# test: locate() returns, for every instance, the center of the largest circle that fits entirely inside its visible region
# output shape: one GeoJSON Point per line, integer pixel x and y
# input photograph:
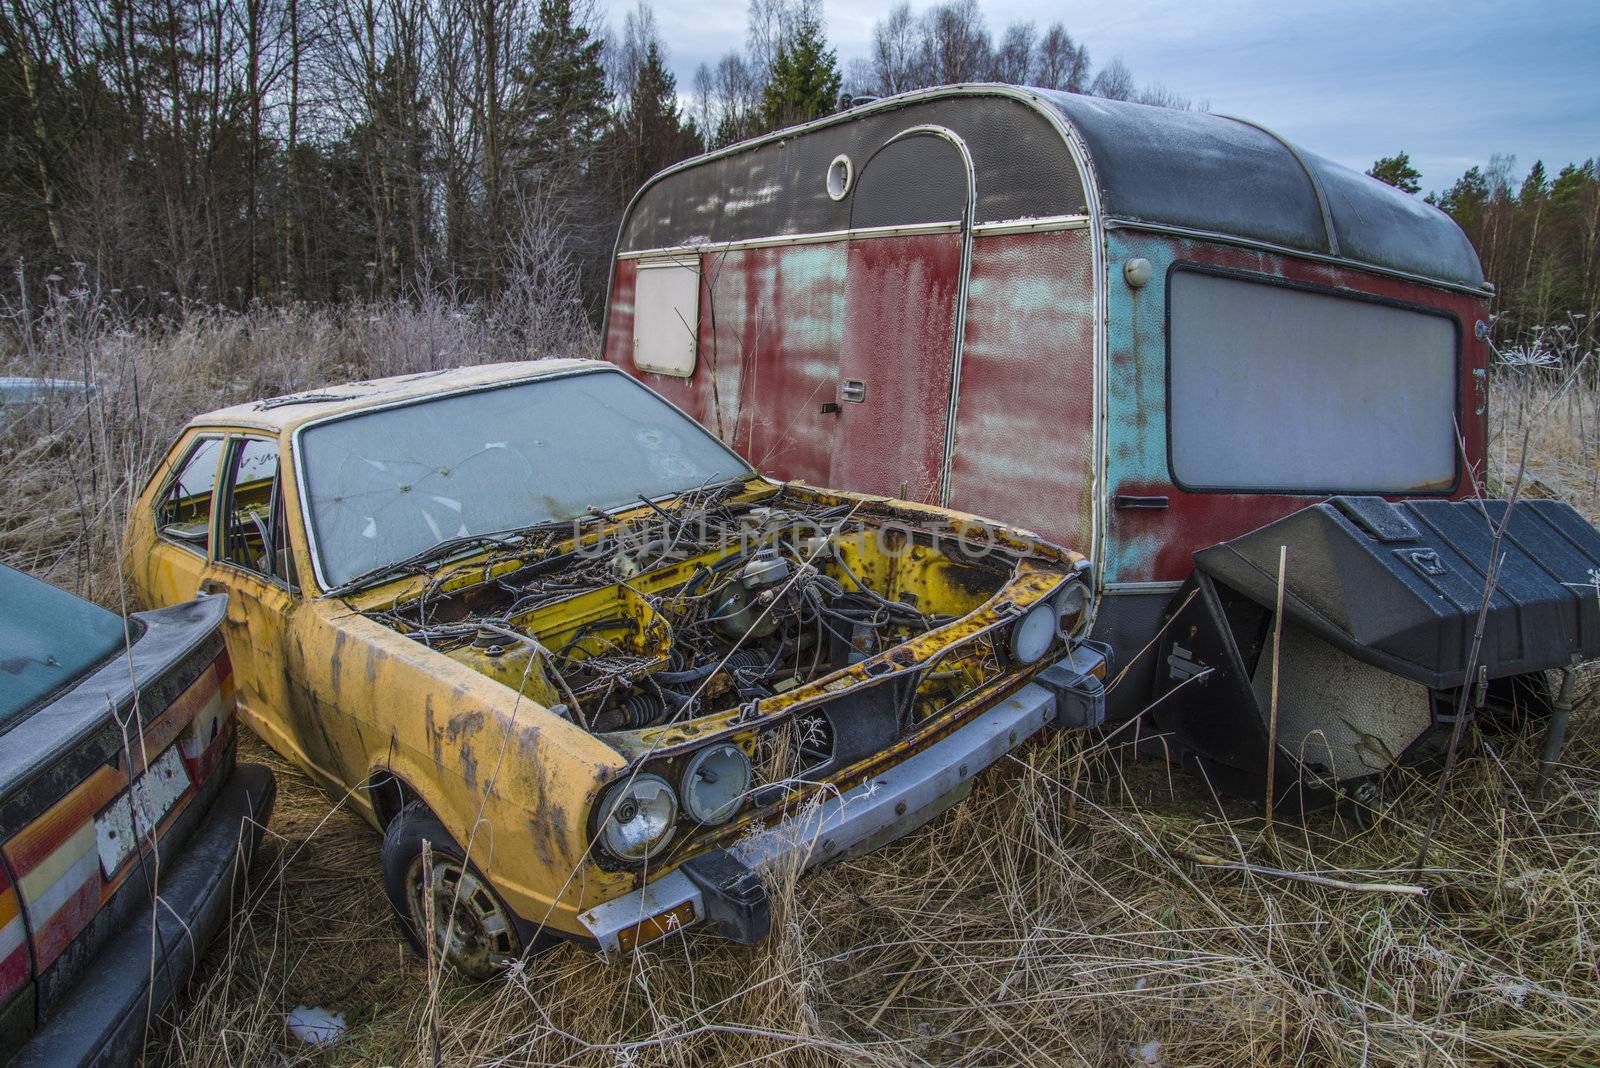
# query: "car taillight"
{"type": "Point", "coordinates": [13, 941]}
{"type": "Point", "coordinates": [209, 704]}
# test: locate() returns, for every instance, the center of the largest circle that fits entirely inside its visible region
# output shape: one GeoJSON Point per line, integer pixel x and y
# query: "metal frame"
{"type": "Point", "coordinates": [177, 472]}
{"type": "Point", "coordinates": [660, 263]}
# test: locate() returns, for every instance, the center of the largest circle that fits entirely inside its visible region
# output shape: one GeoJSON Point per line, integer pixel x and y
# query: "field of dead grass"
{"type": "Point", "coordinates": [1050, 919]}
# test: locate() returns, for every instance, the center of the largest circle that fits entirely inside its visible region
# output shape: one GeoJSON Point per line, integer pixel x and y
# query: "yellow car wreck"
{"type": "Point", "coordinates": [535, 615]}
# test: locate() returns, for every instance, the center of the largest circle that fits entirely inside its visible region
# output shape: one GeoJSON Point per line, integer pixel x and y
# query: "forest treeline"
{"type": "Point", "coordinates": [236, 151]}
{"type": "Point", "coordinates": [228, 151]}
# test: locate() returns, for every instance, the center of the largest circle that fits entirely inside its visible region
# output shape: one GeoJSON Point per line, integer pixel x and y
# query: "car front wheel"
{"type": "Point", "coordinates": [474, 932]}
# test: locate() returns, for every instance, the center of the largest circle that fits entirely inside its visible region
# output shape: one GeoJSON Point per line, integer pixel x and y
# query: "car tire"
{"type": "Point", "coordinates": [486, 937]}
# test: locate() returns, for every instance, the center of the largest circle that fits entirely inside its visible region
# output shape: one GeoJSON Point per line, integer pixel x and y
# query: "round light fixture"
{"type": "Point", "coordinates": [637, 817]}
{"type": "Point", "coordinates": [715, 783]}
{"type": "Point", "coordinates": [1072, 606]}
{"type": "Point", "coordinates": [1032, 634]}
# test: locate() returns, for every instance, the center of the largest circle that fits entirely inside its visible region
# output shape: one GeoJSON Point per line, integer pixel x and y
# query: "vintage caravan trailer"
{"type": "Point", "coordinates": [1139, 332]}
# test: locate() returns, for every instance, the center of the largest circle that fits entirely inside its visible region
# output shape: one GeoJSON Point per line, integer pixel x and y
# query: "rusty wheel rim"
{"type": "Point", "coordinates": [472, 933]}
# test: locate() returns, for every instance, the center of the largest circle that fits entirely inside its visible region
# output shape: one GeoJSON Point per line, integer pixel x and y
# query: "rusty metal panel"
{"type": "Point", "coordinates": [1025, 413]}
{"type": "Point", "coordinates": [771, 327]}
{"type": "Point", "coordinates": [898, 354]}
{"type": "Point", "coordinates": [771, 332]}
{"type": "Point", "coordinates": [684, 392]}
{"type": "Point", "coordinates": [1145, 544]}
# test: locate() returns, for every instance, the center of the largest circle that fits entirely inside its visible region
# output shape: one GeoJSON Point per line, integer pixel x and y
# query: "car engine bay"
{"type": "Point", "coordinates": [713, 600]}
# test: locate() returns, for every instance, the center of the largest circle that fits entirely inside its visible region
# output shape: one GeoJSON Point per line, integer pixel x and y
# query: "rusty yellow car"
{"type": "Point", "coordinates": [537, 617]}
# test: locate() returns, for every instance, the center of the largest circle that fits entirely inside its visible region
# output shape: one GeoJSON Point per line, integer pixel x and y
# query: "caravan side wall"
{"type": "Point", "coordinates": [1373, 386]}
{"type": "Point", "coordinates": [898, 301]}
{"type": "Point", "coordinates": [779, 325]}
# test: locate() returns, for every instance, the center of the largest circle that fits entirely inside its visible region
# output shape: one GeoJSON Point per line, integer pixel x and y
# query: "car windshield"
{"type": "Point", "coordinates": [382, 486]}
{"type": "Point", "coordinates": [49, 639]}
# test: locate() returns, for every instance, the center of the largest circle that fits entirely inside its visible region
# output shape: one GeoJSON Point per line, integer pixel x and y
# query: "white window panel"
{"type": "Point", "coordinates": [666, 316]}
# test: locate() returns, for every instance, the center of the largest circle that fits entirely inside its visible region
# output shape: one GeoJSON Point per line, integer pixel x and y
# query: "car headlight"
{"type": "Point", "coordinates": [714, 783]}
{"type": "Point", "coordinates": [637, 817]}
{"type": "Point", "coordinates": [1072, 604]}
{"type": "Point", "coordinates": [1032, 634]}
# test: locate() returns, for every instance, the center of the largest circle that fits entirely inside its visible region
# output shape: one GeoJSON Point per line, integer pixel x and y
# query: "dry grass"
{"type": "Point", "coordinates": [1046, 920]}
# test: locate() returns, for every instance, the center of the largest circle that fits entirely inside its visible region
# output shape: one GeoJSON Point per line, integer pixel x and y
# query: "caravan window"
{"type": "Point", "coordinates": [666, 315]}
{"type": "Point", "coordinates": [1273, 387]}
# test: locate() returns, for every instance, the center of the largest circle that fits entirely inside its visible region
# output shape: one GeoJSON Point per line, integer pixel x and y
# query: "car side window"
{"type": "Point", "coordinates": [254, 532]}
{"type": "Point", "coordinates": [184, 513]}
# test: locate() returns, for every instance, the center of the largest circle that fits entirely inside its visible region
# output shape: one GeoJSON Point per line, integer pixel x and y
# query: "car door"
{"type": "Point", "coordinates": [253, 567]}
{"type": "Point", "coordinates": [178, 557]}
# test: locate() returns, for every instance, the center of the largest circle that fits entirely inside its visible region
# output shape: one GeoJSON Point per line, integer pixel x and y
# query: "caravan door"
{"type": "Point", "coordinates": [908, 254]}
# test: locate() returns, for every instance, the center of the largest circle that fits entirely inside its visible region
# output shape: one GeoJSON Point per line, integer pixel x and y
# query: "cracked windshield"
{"type": "Point", "coordinates": [386, 485]}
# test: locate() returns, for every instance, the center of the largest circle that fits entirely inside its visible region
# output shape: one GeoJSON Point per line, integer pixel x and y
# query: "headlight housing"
{"type": "Point", "coordinates": [1072, 607]}
{"type": "Point", "coordinates": [637, 817]}
{"type": "Point", "coordinates": [1032, 634]}
{"type": "Point", "coordinates": [715, 782]}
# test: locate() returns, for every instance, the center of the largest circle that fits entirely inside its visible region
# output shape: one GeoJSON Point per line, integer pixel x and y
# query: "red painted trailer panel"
{"type": "Point", "coordinates": [899, 342]}
{"type": "Point", "coordinates": [1025, 414]}
{"type": "Point", "coordinates": [1158, 545]}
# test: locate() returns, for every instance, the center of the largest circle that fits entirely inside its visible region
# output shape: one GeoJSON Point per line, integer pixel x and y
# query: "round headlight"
{"type": "Point", "coordinates": [714, 783]}
{"type": "Point", "coordinates": [1072, 602]}
{"type": "Point", "coordinates": [1032, 634]}
{"type": "Point", "coordinates": [637, 817]}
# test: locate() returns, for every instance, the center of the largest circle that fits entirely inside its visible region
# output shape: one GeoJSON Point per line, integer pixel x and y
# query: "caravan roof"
{"type": "Point", "coordinates": [1032, 153]}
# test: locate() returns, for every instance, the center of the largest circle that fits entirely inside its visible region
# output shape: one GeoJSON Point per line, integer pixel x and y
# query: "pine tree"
{"type": "Point", "coordinates": [1466, 198]}
{"type": "Point", "coordinates": [649, 133]}
{"type": "Point", "coordinates": [559, 108]}
{"type": "Point", "coordinates": [805, 78]}
{"type": "Point", "coordinates": [1397, 171]}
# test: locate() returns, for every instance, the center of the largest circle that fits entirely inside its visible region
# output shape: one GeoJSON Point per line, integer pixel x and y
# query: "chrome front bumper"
{"type": "Point", "coordinates": [892, 803]}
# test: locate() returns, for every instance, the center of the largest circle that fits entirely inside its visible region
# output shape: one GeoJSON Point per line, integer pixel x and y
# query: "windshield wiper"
{"type": "Point", "coordinates": [439, 550]}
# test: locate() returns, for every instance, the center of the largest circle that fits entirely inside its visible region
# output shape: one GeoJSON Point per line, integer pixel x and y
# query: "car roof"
{"type": "Point", "coordinates": [292, 410]}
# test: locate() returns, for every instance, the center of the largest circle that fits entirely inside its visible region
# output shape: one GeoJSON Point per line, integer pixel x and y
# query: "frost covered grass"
{"type": "Point", "coordinates": [1052, 918]}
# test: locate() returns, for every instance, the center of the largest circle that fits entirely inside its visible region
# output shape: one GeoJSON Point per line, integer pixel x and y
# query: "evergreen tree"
{"type": "Point", "coordinates": [648, 134]}
{"type": "Point", "coordinates": [559, 107]}
{"type": "Point", "coordinates": [1397, 171]}
{"type": "Point", "coordinates": [805, 78]}
{"type": "Point", "coordinates": [1534, 187]}
{"type": "Point", "coordinates": [1465, 199]}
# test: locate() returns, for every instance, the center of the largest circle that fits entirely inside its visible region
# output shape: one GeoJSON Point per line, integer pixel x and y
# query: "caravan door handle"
{"type": "Point", "coordinates": [853, 390]}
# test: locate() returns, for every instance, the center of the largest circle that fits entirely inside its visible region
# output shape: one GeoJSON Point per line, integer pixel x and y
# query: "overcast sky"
{"type": "Point", "coordinates": [1449, 82]}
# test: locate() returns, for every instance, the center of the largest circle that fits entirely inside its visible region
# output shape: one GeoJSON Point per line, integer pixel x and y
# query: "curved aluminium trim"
{"type": "Point", "coordinates": [1046, 224]}
{"type": "Point", "coordinates": [1311, 176]}
{"type": "Point", "coordinates": [964, 277]}
{"type": "Point", "coordinates": [1119, 223]}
